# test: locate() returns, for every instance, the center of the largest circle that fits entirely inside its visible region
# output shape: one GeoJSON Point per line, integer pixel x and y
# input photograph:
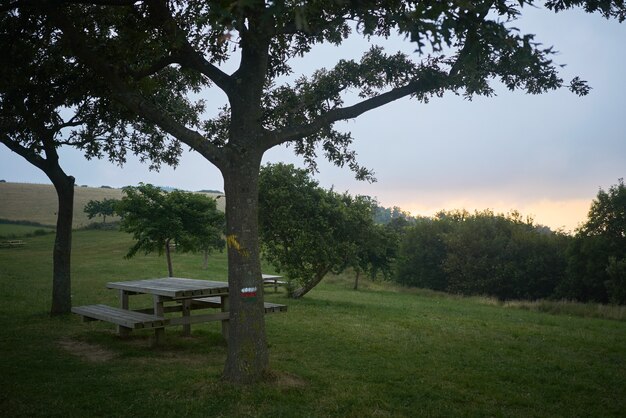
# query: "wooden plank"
{"type": "Point", "coordinates": [195, 319]}
{"type": "Point", "coordinates": [207, 302]}
{"type": "Point", "coordinates": [122, 317]}
{"type": "Point", "coordinates": [166, 309]}
{"type": "Point", "coordinates": [274, 307]}
{"type": "Point", "coordinates": [173, 287]}
{"type": "Point", "coordinates": [11, 243]}
{"type": "Point", "coordinates": [214, 302]}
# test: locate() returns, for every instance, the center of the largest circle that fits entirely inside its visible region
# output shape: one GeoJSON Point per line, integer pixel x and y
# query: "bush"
{"type": "Point", "coordinates": [483, 254]}
{"type": "Point", "coordinates": [108, 226]}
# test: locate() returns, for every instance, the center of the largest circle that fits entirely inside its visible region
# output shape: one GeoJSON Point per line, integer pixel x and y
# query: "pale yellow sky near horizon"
{"type": "Point", "coordinates": [565, 215]}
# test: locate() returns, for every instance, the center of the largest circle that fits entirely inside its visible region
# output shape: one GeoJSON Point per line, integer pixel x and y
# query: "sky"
{"type": "Point", "coordinates": [545, 156]}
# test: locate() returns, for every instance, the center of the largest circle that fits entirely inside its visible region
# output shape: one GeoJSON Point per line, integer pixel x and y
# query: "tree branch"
{"type": "Point", "coordinates": [186, 55]}
{"type": "Point", "coordinates": [131, 99]}
{"type": "Point", "coordinates": [27, 153]}
{"type": "Point", "coordinates": [425, 84]}
{"type": "Point", "coordinates": [155, 67]}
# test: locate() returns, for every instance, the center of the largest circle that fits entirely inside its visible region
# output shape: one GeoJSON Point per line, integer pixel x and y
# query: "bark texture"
{"type": "Point", "coordinates": [248, 357]}
{"type": "Point", "coordinates": [61, 255]}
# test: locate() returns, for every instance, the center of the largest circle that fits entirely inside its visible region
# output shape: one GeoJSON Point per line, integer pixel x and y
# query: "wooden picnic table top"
{"type": "Point", "coordinates": [172, 287]}
{"type": "Point", "coordinates": [177, 287]}
{"type": "Point", "coordinates": [270, 277]}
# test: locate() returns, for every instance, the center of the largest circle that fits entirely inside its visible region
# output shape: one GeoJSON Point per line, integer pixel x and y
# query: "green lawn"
{"type": "Point", "coordinates": [380, 351]}
{"type": "Point", "coordinates": [10, 231]}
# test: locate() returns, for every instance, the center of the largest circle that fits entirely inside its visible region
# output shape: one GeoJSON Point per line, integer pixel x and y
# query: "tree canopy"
{"type": "Point", "coordinates": [308, 232]}
{"type": "Point", "coordinates": [49, 100]}
{"type": "Point", "coordinates": [137, 51]}
{"type": "Point", "coordinates": [105, 207]}
{"type": "Point", "coordinates": [598, 254]}
{"type": "Point", "coordinates": [483, 253]}
{"type": "Point", "coordinates": [158, 219]}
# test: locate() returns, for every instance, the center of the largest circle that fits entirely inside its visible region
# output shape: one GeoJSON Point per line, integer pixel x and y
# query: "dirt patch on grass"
{"type": "Point", "coordinates": [89, 352]}
{"type": "Point", "coordinates": [285, 380]}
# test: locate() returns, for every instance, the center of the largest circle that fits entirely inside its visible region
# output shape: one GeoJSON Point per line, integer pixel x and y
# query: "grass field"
{"type": "Point", "coordinates": [19, 231]}
{"type": "Point", "coordinates": [378, 352]}
{"type": "Point", "coordinates": [38, 202]}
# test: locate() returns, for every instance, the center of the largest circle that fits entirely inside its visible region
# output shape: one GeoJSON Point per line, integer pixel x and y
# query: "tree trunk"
{"type": "Point", "coordinates": [248, 358]}
{"type": "Point", "coordinates": [309, 285]}
{"type": "Point", "coordinates": [61, 254]}
{"type": "Point", "coordinates": [168, 257]}
{"type": "Point", "coordinates": [64, 186]}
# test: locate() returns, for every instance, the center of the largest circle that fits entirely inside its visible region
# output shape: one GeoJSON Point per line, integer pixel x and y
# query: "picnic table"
{"type": "Point", "coordinates": [12, 243]}
{"type": "Point", "coordinates": [272, 280]}
{"type": "Point", "coordinates": [171, 294]}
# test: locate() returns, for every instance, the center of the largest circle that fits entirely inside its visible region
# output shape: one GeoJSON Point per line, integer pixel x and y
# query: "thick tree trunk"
{"type": "Point", "coordinates": [61, 255]}
{"type": "Point", "coordinates": [248, 358]}
{"type": "Point", "coordinates": [64, 185]}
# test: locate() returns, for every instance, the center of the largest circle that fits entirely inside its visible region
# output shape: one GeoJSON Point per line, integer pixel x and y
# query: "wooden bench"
{"type": "Point", "coordinates": [11, 243]}
{"type": "Point", "coordinates": [215, 302]}
{"type": "Point", "coordinates": [122, 317]}
{"type": "Point", "coordinates": [126, 320]}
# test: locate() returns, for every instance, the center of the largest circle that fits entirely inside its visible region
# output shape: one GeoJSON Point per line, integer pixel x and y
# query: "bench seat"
{"type": "Point", "coordinates": [119, 316]}
{"type": "Point", "coordinates": [11, 243]}
{"type": "Point", "coordinates": [215, 302]}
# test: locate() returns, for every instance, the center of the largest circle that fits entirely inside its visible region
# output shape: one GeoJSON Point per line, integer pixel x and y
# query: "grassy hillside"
{"type": "Point", "coordinates": [38, 202]}
{"type": "Point", "coordinates": [381, 351]}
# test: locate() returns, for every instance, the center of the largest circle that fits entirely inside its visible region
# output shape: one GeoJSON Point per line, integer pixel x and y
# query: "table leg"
{"type": "Point", "coordinates": [225, 308]}
{"type": "Point", "coordinates": [123, 331]}
{"type": "Point", "coordinates": [159, 333]}
{"type": "Point", "coordinates": [157, 305]}
{"type": "Point", "coordinates": [186, 313]}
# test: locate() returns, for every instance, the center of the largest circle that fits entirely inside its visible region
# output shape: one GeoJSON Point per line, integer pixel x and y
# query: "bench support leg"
{"type": "Point", "coordinates": [123, 331]}
{"type": "Point", "coordinates": [224, 308]}
{"type": "Point", "coordinates": [159, 335]}
{"type": "Point", "coordinates": [186, 313]}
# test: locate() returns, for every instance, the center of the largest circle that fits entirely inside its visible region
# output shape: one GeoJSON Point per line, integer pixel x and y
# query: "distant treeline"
{"type": "Point", "coordinates": [26, 223]}
{"type": "Point", "coordinates": [509, 257]}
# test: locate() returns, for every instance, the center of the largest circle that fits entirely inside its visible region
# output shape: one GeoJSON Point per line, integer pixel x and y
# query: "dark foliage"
{"type": "Point", "coordinates": [483, 254]}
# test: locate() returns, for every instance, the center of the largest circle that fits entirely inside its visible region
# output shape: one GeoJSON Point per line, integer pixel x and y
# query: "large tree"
{"type": "Point", "coordinates": [47, 100]}
{"type": "Point", "coordinates": [461, 47]}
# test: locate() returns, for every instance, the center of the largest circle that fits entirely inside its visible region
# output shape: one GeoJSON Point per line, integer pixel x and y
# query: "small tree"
{"type": "Point", "coordinates": [307, 231]}
{"type": "Point", "coordinates": [102, 208]}
{"type": "Point", "coordinates": [157, 219]}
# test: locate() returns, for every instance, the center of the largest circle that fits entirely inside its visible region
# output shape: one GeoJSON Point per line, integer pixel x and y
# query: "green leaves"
{"type": "Point", "coordinates": [483, 254]}
{"type": "Point", "coordinates": [104, 208]}
{"type": "Point", "coordinates": [307, 231]}
{"type": "Point", "coordinates": [155, 218]}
